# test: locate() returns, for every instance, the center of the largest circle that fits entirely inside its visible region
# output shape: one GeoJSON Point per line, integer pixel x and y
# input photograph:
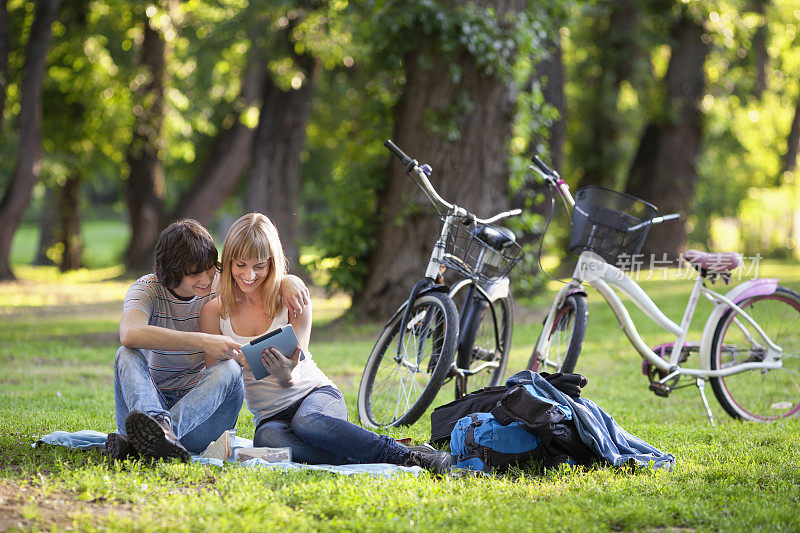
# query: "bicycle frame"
{"type": "Point", "coordinates": [496, 289]}
{"type": "Point", "coordinates": [605, 278]}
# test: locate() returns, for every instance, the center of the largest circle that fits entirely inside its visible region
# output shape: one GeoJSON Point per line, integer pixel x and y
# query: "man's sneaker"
{"type": "Point", "coordinates": [429, 458]}
{"type": "Point", "coordinates": [119, 448]}
{"type": "Point", "coordinates": [153, 437]}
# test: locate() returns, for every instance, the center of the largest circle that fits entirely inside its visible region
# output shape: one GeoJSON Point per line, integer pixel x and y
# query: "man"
{"type": "Point", "coordinates": [167, 402]}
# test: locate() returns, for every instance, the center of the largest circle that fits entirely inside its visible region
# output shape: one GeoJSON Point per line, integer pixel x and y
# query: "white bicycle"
{"type": "Point", "coordinates": [750, 346]}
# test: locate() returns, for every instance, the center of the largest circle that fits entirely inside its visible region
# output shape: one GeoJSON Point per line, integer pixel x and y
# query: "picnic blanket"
{"type": "Point", "coordinates": [87, 439]}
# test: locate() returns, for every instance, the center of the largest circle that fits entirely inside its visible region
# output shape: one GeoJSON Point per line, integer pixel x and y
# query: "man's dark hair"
{"type": "Point", "coordinates": [184, 248]}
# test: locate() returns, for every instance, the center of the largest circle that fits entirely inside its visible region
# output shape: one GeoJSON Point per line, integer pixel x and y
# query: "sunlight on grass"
{"type": "Point", "coordinates": [38, 286]}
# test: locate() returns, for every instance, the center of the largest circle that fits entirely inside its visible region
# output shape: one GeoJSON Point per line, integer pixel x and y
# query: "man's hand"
{"type": "Point", "coordinates": [295, 295]}
{"type": "Point", "coordinates": [221, 347]}
{"type": "Point", "coordinates": [280, 366]}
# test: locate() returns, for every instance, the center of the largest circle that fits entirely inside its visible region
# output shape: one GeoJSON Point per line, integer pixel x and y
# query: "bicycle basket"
{"type": "Point", "coordinates": [481, 252]}
{"type": "Point", "coordinates": [604, 222]}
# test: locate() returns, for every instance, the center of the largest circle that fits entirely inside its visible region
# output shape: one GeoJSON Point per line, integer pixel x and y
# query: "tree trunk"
{"type": "Point", "coordinates": [789, 162]}
{"type": "Point", "coordinates": [274, 187]}
{"type": "Point", "coordinates": [145, 187]}
{"type": "Point", "coordinates": [471, 170]}
{"type": "Point", "coordinates": [600, 145]}
{"type": "Point", "coordinates": [69, 224]}
{"type": "Point", "coordinates": [663, 171]}
{"type": "Point", "coordinates": [759, 48]}
{"type": "Point", "coordinates": [28, 167]}
{"type": "Point", "coordinates": [47, 224]}
{"type": "Point", "coordinates": [551, 69]}
{"type": "Point", "coordinates": [229, 156]}
{"type": "Point", "coordinates": [5, 46]}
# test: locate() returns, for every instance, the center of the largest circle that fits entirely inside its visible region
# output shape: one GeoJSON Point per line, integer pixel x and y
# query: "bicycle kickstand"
{"type": "Point", "coordinates": [701, 386]}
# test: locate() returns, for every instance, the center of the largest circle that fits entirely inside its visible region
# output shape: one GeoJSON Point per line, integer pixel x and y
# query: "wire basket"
{"type": "Point", "coordinates": [481, 252]}
{"type": "Point", "coordinates": [605, 222]}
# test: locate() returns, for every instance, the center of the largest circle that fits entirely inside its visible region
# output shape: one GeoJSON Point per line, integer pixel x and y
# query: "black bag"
{"type": "Point", "coordinates": [560, 439]}
{"type": "Point", "coordinates": [444, 417]}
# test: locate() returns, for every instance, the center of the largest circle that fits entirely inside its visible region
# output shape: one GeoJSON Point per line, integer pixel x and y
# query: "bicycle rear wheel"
{"type": "Point", "coordinates": [485, 343]}
{"type": "Point", "coordinates": [759, 395]}
{"type": "Point", "coordinates": [398, 385]}
{"type": "Point", "coordinates": [562, 344]}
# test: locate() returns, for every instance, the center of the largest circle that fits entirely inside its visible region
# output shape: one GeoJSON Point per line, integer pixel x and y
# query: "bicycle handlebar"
{"type": "Point", "coordinates": [659, 220]}
{"type": "Point", "coordinates": [542, 166]}
{"type": "Point", "coordinates": [655, 220]}
{"type": "Point", "coordinates": [420, 177]}
{"type": "Point", "coordinates": [398, 152]}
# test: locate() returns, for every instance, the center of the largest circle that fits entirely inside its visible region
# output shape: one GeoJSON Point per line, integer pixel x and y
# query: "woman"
{"type": "Point", "coordinates": [296, 406]}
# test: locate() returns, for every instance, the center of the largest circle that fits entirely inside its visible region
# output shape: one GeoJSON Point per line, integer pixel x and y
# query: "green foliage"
{"type": "Point", "coordinates": [746, 135]}
{"type": "Point", "coordinates": [353, 107]}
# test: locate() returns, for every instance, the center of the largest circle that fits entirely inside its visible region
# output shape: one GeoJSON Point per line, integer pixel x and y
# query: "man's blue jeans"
{"type": "Point", "coordinates": [318, 432]}
{"type": "Point", "coordinates": [199, 415]}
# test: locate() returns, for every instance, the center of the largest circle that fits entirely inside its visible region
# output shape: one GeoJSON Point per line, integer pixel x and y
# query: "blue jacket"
{"type": "Point", "coordinates": [596, 428]}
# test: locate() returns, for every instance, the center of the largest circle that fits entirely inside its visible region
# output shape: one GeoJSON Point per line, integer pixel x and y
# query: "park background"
{"type": "Point", "coordinates": [117, 117]}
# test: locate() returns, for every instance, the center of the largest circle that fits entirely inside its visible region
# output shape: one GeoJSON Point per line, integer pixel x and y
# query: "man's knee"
{"type": "Point", "coordinates": [125, 355]}
{"type": "Point", "coordinates": [227, 371]}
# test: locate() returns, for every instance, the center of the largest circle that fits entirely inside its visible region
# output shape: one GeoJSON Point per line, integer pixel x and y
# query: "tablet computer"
{"type": "Point", "coordinates": [282, 338]}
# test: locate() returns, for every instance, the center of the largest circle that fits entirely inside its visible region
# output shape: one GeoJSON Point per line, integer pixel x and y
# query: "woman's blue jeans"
{"type": "Point", "coordinates": [318, 432]}
{"type": "Point", "coordinates": [199, 415]}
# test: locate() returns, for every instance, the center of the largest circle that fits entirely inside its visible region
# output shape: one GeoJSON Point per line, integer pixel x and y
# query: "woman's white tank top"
{"type": "Point", "coordinates": [265, 397]}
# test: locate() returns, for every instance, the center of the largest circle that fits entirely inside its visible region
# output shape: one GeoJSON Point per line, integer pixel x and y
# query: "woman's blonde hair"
{"type": "Point", "coordinates": [253, 236]}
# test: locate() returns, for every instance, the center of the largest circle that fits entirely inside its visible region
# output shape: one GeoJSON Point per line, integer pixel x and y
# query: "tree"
{"type": "Point", "coordinates": [274, 185]}
{"type": "Point", "coordinates": [614, 39]}
{"type": "Point", "coordinates": [26, 173]}
{"type": "Point", "coordinates": [145, 191]}
{"type": "Point", "coordinates": [460, 124]}
{"type": "Point", "coordinates": [229, 154]}
{"type": "Point", "coordinates": [663, 170]}
{"type": "Point", "coordinates": [789, 160]}
{"type": "Point", "coordinates": [5, 44]}
{"type": "Point", "coordinates": [759, 47]}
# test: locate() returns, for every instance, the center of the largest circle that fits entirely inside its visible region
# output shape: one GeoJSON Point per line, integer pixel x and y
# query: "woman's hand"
{"type": "Point", "coordinates": [280, 366]}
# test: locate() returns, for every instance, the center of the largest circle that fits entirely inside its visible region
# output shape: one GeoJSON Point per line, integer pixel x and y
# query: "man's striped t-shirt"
{"type": "Point", "coordinates": [171, 370]}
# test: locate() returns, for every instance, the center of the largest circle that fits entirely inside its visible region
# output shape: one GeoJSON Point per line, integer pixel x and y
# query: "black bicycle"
{"type": "Point", "coordinates": [428, 341]}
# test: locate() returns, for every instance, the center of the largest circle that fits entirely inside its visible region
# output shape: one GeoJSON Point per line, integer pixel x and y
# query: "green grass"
{"type": "Point", "coordinates": [57, 343]}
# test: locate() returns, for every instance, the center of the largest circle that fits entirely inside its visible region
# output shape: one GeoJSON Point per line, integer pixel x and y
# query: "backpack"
{"type": "Point", "coordinates": [479, 442]}
{"type": "Point", "coordinates": [444, 417]}
{"type": "Point", "coordinates": [509, 424]}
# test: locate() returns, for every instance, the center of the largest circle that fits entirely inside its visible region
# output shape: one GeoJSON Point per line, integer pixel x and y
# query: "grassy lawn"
{"type": "Point", "coordinates": [57, 342]}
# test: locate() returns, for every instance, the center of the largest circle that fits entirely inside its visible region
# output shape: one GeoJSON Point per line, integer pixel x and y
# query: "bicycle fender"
{"type": "Point", "coordinates": [748, 289]}
{"type": "Point", "coordinates": [498, 288]}
{"type": "Point", "coordinates": [431, 288]}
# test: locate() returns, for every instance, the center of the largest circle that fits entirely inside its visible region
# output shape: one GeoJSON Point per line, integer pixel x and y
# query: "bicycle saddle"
{"type": "Point", "coordinates": [495, 236]}
{"type": "Point", "coordinates": [714, 262]}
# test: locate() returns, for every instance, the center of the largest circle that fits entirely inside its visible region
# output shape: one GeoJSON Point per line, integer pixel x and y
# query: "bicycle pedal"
{"type": "Point", "coordinates": [660, 389]}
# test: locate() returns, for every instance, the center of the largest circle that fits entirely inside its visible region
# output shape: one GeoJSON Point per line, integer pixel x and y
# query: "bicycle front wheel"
{"type": "Point", "coordinates": [400, 382]}
{"type": "Point", "coordinates": [485, 343]}
{"type": "Point", "coordinates": [759, 395]}
{"type": "Point", "coordinates": [562, 344]}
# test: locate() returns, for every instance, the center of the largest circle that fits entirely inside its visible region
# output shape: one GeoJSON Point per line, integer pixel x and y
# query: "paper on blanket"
{"type": "Point", "coordinates": [220, 448]}
{"type": "Point", "coordinates": [270, 455]}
